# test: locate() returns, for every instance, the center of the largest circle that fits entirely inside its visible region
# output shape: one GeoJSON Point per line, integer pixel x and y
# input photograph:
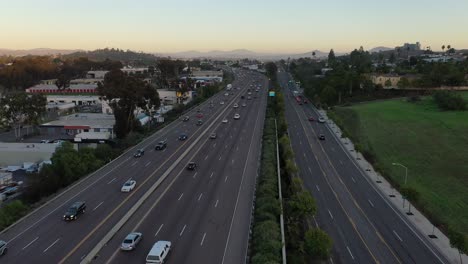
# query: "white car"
{"type": "Point", "coordinates": [236, 116]}
{"type": "Point", "coordinates": [244, 105]}
{"type": "Point", "coordinates": [225, 121]}
{"type": "Point", "coordinates": [226, 94]}
{"type": "Point", "coordinates": [321, 120]}
{"type": "Point", "coordinates": [128, 186]}
{"type": "Point", "coordinates": [221, 103]}
{"type": "Point", "coordinates": [236, 105]}
{"type": "Point", "coordinates": [131, 241]}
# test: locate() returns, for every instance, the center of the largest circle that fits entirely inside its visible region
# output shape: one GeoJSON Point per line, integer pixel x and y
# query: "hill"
{"type": "Point", "coordinates": [241, 54]}
{"type": "Point", "coordinates": [37, 52]}
{"type": "Point", "coordinates": [127, 56]}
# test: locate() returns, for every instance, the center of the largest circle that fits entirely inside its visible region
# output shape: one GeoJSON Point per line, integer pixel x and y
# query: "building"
{"type": "Point", "coordinates": [76, 126]}
{"type": "Point", "coordinates": [131, 71]}
{"type": "Point", "coordinates": [207, 75]}
{"type": "Point", "coordinates": [85, 81]}
{"type": "Point", "coordinates": [410, 47]}
{"type": "Point", "coordinates": [96, 74]}
{"type": "Point", "coordinates": [72, 89]}
{"type": "Point", "coordinates": [390, 81]}
{"type": "Point", "coordinates": [75, 99]}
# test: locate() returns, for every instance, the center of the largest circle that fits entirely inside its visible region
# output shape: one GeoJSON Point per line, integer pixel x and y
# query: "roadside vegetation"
{"type": "Point", "coordinates": [303, 244]}
{"type": "Point", "coordinates": [431, 142]}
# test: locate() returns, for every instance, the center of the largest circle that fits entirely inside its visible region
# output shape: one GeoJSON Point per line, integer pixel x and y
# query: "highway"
{"type": "Point", "coordinates": [362, 224]}
{"type": "Point", "coordinates": [205, 213]}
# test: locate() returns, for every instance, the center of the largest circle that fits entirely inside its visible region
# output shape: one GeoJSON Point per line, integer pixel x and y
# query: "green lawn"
{"type": "Point", "coordinates": [431, 143]}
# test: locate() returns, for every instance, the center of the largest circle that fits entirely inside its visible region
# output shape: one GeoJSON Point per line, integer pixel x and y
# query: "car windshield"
{"type": "Point", "coordinates": [128, 241]}
{"type": "Point", "coordinates": [128, 183]}
{"type": "Point", "coordinates": [71, 211]}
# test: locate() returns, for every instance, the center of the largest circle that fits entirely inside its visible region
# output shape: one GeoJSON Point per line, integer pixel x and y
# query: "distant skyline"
{"type": "Point", "coordinates": [294, 26]}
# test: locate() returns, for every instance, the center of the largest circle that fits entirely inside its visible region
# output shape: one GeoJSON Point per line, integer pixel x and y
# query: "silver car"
{"type": "Point", "coordinates": [131, 241]}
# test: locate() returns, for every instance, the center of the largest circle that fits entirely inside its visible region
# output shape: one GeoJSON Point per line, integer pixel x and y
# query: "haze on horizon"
{"type": "Point", "coordinates": [292, 26]}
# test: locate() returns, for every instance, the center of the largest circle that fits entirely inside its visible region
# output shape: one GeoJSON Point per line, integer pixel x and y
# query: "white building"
{"type": "Point", "coordinates": [75, 99]}
{"type": "Point", "coordinates": [96, 74]}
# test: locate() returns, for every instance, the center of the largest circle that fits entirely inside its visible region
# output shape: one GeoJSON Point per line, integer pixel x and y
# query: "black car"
{"type": "Point", "coordinates": [74, 211]}
{"type": "Point", "coordinates": [139, 153]}
{"type": "Point", "coordinates": [191, 166]}
{"type": "Point", "coordinates": [199, 122]}
{"type": "Point", "coordinates": [321, 137]}
{"type": "Point", "coordinates": [183, 137]}
{"type": "Point", "coordinates": [186, 118]}
{"type": "Point", "coordinates": [242, 97]}
{"type": "Point", "coordinates": [161, 145]}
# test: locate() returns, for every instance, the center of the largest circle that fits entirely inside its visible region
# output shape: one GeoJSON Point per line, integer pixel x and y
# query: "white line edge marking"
{"type": "Point", "coordinates": [349, 250]}
{"type": "Point", "coordinates": [330, 214]}
{"type": "Point", "coordinates": [399, 238]}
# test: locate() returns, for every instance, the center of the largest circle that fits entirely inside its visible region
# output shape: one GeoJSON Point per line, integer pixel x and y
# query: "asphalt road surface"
{"type": "Point", "coordinates": [362, 224]}
{"type": "Point", "coordinates": [205, 213]}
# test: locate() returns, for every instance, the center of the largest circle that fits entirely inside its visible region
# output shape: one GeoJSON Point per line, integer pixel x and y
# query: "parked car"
{"type": "Point", "coordinates": [128, 186]}
{"type": "Point", "coordinates": [161, 145]}
{"type": "Point", "coordinates": [3, 247]}
{"type": "Point", "coordinates": [76, 209]}
{"type": "Point", "coordinates": [159, 252]}
{"type": "Point", "coordinates": [183, 137]}
{"type": "Point", "coordinates": [139, 153]}
{"type": "Point", "coordinates": [191, 165]}
{"type": "Point", "coordinates": [131, 241]}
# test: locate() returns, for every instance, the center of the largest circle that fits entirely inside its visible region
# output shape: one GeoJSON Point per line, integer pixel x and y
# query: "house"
{"type": "Point", "coordinates": [100, 126]}
{"type": "Point", "coordinates": [72, 89]}
{"type": "Point", "coordinates": [390, 81]}
{"type": "Point", "coordinates": [96, 74]}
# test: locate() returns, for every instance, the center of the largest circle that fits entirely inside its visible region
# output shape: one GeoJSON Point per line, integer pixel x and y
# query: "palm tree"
{"type": "Point", "coordinates": [313, 54]}
{"type": "Point", "coordinates": [443, 48]}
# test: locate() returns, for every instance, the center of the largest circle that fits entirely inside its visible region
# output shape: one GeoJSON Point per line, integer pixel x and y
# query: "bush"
{"type": "Point", "coordinates": [317, 244]}
{"type": "Point", "coordinates": [447, 100]}
{"type": "Point", "coordinates": [11, 212]}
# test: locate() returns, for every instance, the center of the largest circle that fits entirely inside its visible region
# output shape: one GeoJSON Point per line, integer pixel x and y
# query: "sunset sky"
{"type": "Point", "coordinates": [259, 25]}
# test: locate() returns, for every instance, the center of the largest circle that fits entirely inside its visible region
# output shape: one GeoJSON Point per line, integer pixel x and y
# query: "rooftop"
{"type": "Point", "coordinates": [92, 120]}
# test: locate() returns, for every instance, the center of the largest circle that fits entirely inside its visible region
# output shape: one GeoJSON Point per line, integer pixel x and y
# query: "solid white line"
{"type": "Point", "coordinates": [216, 204]}
{"type": "Point", "coordinates": [111, 181]}
{"type": "Point", "coordinates": [159, 229]}
{"type": "Point", "coordinates": [30, 243]}
{"type": "Point", "coordinates": [180, 197]}
{"type": "Point", "coordinates": [148, 163]}
{"type": "Point", "coordinates": [399, 238]}
{"type": "Point", "coordinates": [203, 239]}
{"type": "Point", "coordinates": [51, 245]}
{"type": "Point", "coordinates": [350, 252]}
{"type": "Point", "coordinates": [195, 175]}
{"type": "Point", "coordinates": [183, 229]}
{"type": "Point", "coordinates": [133, 164]}
{"type": "Point", "coordinates": [318, 189]}
{"type": "Point", "coordinates": [370, 203]}
{"type": "Point", "coordinates": [199, 197]}
{"type": "Point", "coordinates": [330, 214]}
{"type": "Point", "coordinates": [97, 206]}
{"type": "Point", "coordinates": [211, 176]}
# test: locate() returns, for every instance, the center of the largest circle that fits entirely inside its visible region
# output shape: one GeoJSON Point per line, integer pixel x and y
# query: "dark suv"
{"type": "Point", "coordinates": [191, 166]}
{"type": "Point", "coordinates": [75, 209]}
{"type": "Point", "coordinates": [139, 153]}
{"type": "Point", "coordinates": [161, 145]}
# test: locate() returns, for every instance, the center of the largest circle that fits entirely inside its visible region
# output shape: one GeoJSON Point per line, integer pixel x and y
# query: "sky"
{"type": "Point", "coordinates": [288, 26]}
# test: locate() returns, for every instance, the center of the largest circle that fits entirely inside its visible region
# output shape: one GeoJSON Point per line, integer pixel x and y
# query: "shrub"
{"type": "Point", "coordinates": [447, 100]}
{"type": "Point", "coordinates": [317, 244]}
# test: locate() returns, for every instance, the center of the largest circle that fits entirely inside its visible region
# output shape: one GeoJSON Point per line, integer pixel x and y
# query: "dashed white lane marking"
{"type": "Point", "coordinates": [315, 220]}
{"type": "Point", "coordinates": [183, 229]}
{"type": "Point", "coordinates": [330, 214]}
{"type": "Point", "coordinates": [195, 175]}
{"type": "Point", "coordinates": [111, 181]}
{"type": "Point", "coordinates": [180, 197]}
{"type": "Point", "coordinates": [203, 239]}
{"type": "Point", "coordinates": [159, 229]}
{"type": "Point", "coordinates": [133, 164]}
{"type": "Point", "coordinates": [214, 145]}
{"type": "Point", "coordinates": [304, 154]}
{"type": "Point", "coordinates": [206, 157]}
{"type": "Point", "coordinates": [225, 146]}
{"type": "Point", "coordinates": [353, 179]}
{"type": "Point", "coordinates": [399, 238]}
{"type": "Point", "coordinates": [341, 162]}
{"type": "Point", "coordinates": [211, 176]}
{"type": "Point", "coordinates": [97, 206]}
{"type": "Point", "coordinates": [199, 197]}
{"type": "Point", "coordinates": [237, 148]}
{"type": "Point", "coordinates": [45, 250]}
{"type": "Point", "coordinates": [310, 170]}
{"type": "Point", "coordinates": [216, 204]}
{"type": "Point", "coordinates": [232, 162]}
{"type": "Point", "coordinates": [148, 163]}
{"type": "Point", "coordinates": [30, 243]}
{"type": "Point", "coordinates": [318, 189]}
{"type": "Point", "coordinates": [219, 157]}
{"type": "Point", "coordinates": [370, 203]}
{"type": "Point", "coordinates": [300, 142]}
{"type": "Point", "coordinates": [351, 254]}
{"type": "Point", "coordinates": [225, 180]}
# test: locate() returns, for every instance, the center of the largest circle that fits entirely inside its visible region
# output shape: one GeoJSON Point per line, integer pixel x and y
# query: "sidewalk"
{"type": "Point", "coordinates": [432, 234]}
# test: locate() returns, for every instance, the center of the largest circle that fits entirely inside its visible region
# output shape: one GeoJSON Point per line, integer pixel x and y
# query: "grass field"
{"type": "Point", "coordinates": [433, 145]}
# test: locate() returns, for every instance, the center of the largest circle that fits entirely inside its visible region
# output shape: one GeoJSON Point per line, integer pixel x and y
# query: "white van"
{"type": "Point", "coordinates": [158, 252]}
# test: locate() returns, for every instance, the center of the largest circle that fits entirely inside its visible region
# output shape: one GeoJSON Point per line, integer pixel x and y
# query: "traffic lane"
{"type": "Point", "coordinates": [404, 239]}
{"type": "Point", "coordinates": [206, 175]}
{"type": "Point", "coordinates": [347, 243]}
{"type": "Point", "coordinates": [366, 228]}
{"type": "Point", "coordinates": [74, 255]}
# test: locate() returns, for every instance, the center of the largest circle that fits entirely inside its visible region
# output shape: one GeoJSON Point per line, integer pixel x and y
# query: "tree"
{"type": "Point", "coordinates": [127, 94]}
{"type": "Point", "coordinates": [410, 194]}
{"type": "Point", "coordinates": [271, 69]}
{"type": "Point", "coordinates": [62, 82]}
{"type": "Point", "coordinates": [331, 57]}
{"type": "Point", "coordinates": [313, 54]}
{"type": "Point", "coordinates": [18, 109]}
{"type": "Point", "coordinates": [388, 83]}
{"type": "Point", "coordinates": [300, 206]}
{"type": "Point", "coordinates": [317, 244]}
{"type": "Point", "coordinates": [458, 241]}
{"type": "Point", "coordinates": [443, 48]}
{"type": "Point", "coordinates": [403, 83]}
